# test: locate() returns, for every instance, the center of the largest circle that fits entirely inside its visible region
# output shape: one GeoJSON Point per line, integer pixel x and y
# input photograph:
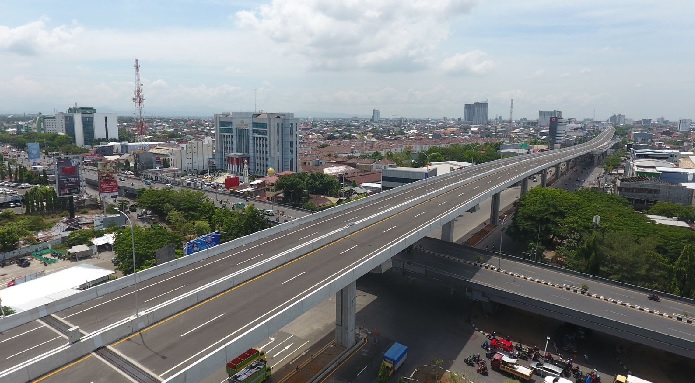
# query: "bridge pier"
{"type": "Point", "coordinates": [495, 209]}
{"type": "Point", "coordinates": [597, 159]}
{"type": "Point", "coordinates": [557, 172]}
{"type": "Point", "coordinates": [524, 186]}
{"type": "Point", "coordinates": [544, 178]}
{"type": "Point", "coordinates": [345, 312]}
{"type": "Point", "coordinates": [448, 231]}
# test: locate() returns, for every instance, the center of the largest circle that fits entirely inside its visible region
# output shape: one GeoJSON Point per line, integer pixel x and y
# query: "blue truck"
{"type": "Point", "coordinates": [394, 357]}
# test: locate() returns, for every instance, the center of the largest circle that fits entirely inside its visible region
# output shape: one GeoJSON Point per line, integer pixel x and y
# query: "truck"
{"type": "Point", "coordinates": [394, 357]}
{"type": "Point", "coordinates": [629, 379]}
{"type": "Point", "coordinates": [256, 372]}
{"type": "Point", "coordinates": [249, 356]}
{"type": "Point", "coordinates": [509, 365]}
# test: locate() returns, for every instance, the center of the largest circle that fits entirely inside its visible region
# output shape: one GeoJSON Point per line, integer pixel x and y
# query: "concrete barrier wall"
{"type": "Point", "coordinates": [122, 329]}
{"type": "Point", "coordinates": [567, 314]}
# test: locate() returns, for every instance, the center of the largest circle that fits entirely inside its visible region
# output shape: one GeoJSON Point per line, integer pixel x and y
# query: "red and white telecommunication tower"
{"type": "Point", "coordinates": [139, 100]}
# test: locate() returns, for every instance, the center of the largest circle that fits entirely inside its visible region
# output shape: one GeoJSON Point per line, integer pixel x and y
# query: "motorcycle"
{"type": "Point", "coordinates": [654, 297]}
{"type": "Point", "coordinates": [482, 367]}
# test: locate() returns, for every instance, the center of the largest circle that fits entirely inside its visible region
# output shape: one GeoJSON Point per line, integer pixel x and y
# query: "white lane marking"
{"type": "Point", "coordinates": [267, 344]}
{"type": "Point", "coordinates": [419, 214]}
{"type": "Point", "coordinates": [307, 236]}
{"type": "Point", "coordinates": [163, 294]}
{"type": "Point", "coordinates": [682, 332]}
{"type": "Point", "coordinates": [293, 277]}
{"type": "Point", "coordinates": [561, 297]}
{"type": "Point", "coordinates": [355, 264]}
{"type": "Point", "coordinates": [283, 350]}
{"type": "Point", "coordinates": [617, 313]}
{"type": "Point", "coordinates": [346, 250]}
{"type": "Point", "coordinates": [34, 346]}
{"type": "Point", "coordinates": [278, 345]}
{"type": "Point", "coordinates": [203, 324]}
{"type": "Point", "coordinates": [20, 334]}
{"type": "Point", "coordinates": [250, 259]}
{"type": "Point", "coordinates": [289, 354]}
{"type": "Point", "coordinates": [390, 228]}
{"type": "Point", "coordinates": [441, 203]}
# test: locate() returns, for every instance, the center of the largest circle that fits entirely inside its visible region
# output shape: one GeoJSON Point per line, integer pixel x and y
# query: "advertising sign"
{"type": "Point", "coordinates": [108, 183]}
{"type": "Point", "coordinates": [68, 176]}
{"type": "Point", "coordinates": [33, 151]}
{"type": "Point", "coordinates": [201, 243]}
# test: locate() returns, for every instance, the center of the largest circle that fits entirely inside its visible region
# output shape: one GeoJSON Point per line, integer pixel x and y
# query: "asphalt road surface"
{"type": "Point", "coordinates": [171, 345]}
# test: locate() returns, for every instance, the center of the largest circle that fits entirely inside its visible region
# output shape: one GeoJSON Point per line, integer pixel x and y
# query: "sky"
{"type": "Point", "coordinates": [318, 58]}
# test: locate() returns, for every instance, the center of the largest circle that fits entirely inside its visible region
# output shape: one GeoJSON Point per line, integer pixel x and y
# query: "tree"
{"type": "Point", "coordinates": [9, 239]}
{"type": "Point", "coordinates": [383, 373]}
{"type": "Point", "coordinates": [147, 242]}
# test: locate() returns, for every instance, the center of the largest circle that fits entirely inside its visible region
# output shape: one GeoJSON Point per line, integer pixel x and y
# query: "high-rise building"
{"type": "Point", "coordinates": [617, 119]}
{"type": "Point", "coordinates": [684, 125]}
{"type": "Point", "coordinates": [556, 130]}
{"type": "Point", "coordinates": [545, 115]}
{"type": "Point", "coordinates": [475, 113]}
{"type": "Point", "coordinates": [84, 125]}
{"type": "Point", "coordinates": [376, 115]}
{"type": "Point", "coordinates": [261, 140]}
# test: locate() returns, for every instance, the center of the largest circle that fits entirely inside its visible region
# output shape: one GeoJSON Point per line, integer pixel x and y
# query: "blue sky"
{"type": "Point", "coordinates": [420, 58]}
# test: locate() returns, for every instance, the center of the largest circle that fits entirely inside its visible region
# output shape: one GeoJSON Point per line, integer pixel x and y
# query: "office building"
{"type": "Point", "coordinates": [261, 140]}
{"type": "Point", "coordinates": [84, 125]}
{"type": "Point", "coordinates": [617, 119]}
{"type": "Point", "coordinates": [376, 115]}
{"type": "Point", "coordinates": [556, 131]}
{"type": "Point", "coordinates": [684, 125]}
{"type": "Point", "coordinates": [545, 115]}
{"type": "Point", "coordinates": [194, 156]}
{"type": "Point", "coordinates": [475, 113]}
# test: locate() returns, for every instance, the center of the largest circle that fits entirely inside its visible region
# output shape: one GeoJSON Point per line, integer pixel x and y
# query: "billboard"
{"type": "Point", "coordinates": [33, 151]}
{"type": "Point", "coordinates": [108, 183]}
{"type": "Point", "coordinates": [68, 176]}
{"type": "Point", "coordinates": [201, 243]}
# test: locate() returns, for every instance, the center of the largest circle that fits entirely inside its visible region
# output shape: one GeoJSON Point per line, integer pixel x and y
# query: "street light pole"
{"type": "Point", "coordinates": [545, 349]}
{"type": "Point", "coordinates": [499, 256]}
{"type": "Point", "coordinates": [132, 239]}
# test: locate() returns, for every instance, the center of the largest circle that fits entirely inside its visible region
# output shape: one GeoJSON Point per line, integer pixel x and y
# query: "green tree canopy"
{"type": "Point", "coordinates": [147, 242]}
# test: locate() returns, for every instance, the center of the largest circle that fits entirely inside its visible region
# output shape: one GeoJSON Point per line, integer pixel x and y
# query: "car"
{"type": "Point", "coordinates": [168, 186]}
{"type": "Point", "coordinates": [269, 212]}
{"type": "Point", "coordinates": [547, 369]}
{"type": "Point", "coordinates": [148, 182]}
{"type": "Point", "coordinates": [121, 179]}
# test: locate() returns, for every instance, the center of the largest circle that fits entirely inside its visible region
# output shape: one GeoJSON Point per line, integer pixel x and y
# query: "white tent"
{"type": "Point", "coordinates": [51, 287]}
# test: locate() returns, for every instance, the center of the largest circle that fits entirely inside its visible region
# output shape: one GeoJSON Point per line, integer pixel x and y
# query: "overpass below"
{"type": "Point", "coordinates": [607, 306]}
{"type": "Point", "coordinates": [263, 281]}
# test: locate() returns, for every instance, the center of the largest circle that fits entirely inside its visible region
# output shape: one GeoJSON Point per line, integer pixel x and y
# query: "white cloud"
{"type": "Point", "coordinates": [473, 62]}
{"type": "Point", "coordinates": [35, 38]}
{"type": "Point", "coordinates": [537, 74]}
{"type": "Point", "coordinates": [585, 70]}
{"type": "Point", "coordinates": [382, 35]}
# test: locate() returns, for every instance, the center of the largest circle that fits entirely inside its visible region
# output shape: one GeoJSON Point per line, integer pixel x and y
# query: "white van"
{"type": "Point", "coordinates": [547, 369]}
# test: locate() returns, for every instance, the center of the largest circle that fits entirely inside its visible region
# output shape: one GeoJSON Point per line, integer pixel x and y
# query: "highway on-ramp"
{"type": "Point", "coordinates": [178, 341]}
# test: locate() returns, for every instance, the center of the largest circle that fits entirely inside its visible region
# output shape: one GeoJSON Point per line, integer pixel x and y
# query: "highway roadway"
{"type": "Point", "coordinates": [176, 342]}
{"type": "Point", "coordinates": [558, 276]}
{"type": "Point", "coordinates": [539, 292]}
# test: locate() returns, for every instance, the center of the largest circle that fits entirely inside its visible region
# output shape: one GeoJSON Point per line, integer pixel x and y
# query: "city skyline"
{"type": "Point", "coordinates": [416, 60]}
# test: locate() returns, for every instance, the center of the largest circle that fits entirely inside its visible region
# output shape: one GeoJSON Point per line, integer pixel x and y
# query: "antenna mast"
{"type": "Point", "coordinates": [511, 112]}
{"type": "Point", "coordinates": [139, 100]}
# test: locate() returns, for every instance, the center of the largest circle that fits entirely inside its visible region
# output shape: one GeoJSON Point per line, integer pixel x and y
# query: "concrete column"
{"type": "Point", "coordinates": [557, 172]}
{"type": "Point", "coordinates": [345, 311]}
{"type": "Point", "coordinates": [448, 231]}
{"type": "Point", "coordinates": [567, 166]}
{"type": "Point", "coordinates": [495, 209]}
{"type": "Point", "coordinates": [597, 158]}
{"type": "Point", "coordinates": [524, 186]}
{"type": "Point", "coordinates": [544, 178]}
